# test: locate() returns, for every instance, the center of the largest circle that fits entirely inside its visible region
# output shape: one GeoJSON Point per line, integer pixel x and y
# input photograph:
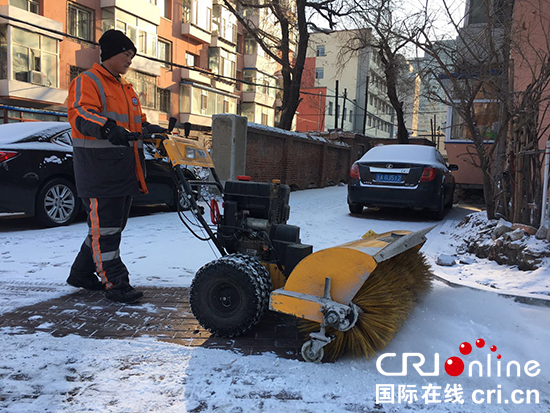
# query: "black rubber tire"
{"type": "Point", "coordinates": [439, 213]}
{"type": "Point", "coordinates": [355, 208]}
{"type": "Point", "coordinates": [449, 205]}
{"type": "Point", "coordinates": [229, 295]}
{"type": "Point", "coordinates": [56, 203]}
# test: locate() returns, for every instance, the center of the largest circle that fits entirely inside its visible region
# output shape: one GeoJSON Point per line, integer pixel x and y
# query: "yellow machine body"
{"type": "Point", "coordinates": [184, 151]}
{"type": "Point", "coordinates": [348, 266]}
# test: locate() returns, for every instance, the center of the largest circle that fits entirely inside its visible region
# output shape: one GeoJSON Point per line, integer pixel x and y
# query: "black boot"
{"type": "Point", "coordinates": [86, 281]}
{"type": "Point", "coordinates": [126, 295]}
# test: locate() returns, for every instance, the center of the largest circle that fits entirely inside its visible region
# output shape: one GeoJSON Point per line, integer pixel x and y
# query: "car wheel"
{"type": "Point", "coordinates": [56, 203]}
{"type": "Point", "coordinates": [355, 208]}
{"type": "Point", "coordinates": [449, 204]}
{"type": "Point", "coordinates": [440, 211]}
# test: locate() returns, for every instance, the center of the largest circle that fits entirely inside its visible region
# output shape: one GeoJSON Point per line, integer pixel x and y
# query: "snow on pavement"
{"type": "Point", "coordinates": [40, 373]}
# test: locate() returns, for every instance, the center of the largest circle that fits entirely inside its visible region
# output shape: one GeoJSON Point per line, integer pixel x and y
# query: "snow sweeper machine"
{"type": "Point", "coordinates": [353, 298]}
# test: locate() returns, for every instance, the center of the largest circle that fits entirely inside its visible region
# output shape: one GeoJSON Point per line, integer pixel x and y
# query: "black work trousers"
{"type": "Point", "coordinates": [100, 251]}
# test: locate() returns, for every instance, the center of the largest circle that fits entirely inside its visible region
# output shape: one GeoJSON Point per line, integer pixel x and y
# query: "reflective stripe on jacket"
{"type": "Point", "coordinates": [101, 168]}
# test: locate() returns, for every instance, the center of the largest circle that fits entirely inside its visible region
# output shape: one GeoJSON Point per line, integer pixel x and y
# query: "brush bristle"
{"type": "Point", "coordinates": [385, 299]}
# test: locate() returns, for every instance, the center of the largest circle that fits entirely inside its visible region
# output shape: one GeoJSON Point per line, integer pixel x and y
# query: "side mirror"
{"type": "Point", "coordinates": [453, 167]}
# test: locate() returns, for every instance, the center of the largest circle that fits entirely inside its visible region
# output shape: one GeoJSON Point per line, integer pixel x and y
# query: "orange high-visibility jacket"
{"type": "Point", "coordinates": [101, 168]}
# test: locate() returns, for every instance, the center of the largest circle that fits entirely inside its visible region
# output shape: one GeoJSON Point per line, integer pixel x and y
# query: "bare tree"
{"type": "Point", "coordinates": [389, 33]}
{"type": "Point", "coordinates": [285, 37]}
{"type": "Point", "coordinates": [492, 104]}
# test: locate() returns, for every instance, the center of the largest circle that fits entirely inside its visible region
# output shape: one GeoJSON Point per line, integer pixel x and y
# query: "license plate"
{"type": "Point", "coordinates": [387, 178]}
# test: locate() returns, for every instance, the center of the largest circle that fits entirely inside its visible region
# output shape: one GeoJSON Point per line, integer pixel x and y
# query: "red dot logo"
{"type": "Point", "coordinates": [465, 348]}
{"type": "Point", "coordinates": [493, 348]}
{"type": "Point", "coordinates": [480, 342]}
{"type": "Point", "coordinates": [454, 366]}
{"type": "Point", "coordinates": [499, 356]}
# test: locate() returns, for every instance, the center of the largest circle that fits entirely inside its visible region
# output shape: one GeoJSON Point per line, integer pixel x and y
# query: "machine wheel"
{"type": "Point", "coordinates": [355, 208]}
{"type": "Point", "coordinates": [56, 203]}
{"type": "Point", "coordinates": [311, 356]}
{"type": "Point", "coordinates": [229, 295]}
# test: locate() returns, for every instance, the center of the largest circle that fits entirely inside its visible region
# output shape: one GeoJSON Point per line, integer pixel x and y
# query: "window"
{"type": "Point", "coordinates": [165, 53]}
{"type": "Point", "coordinates": [250, 45]}
{"type": "Point", "coordinates": [163, 5]}
{"type": "Point", "coordinates": [145, 86]}
{"type": "Point", "coordinates": [265, 118]}
{"type": "Point", "coordinates": [164, 99]}
{"type": "Point", "coordinates": [320, 50]}
{"type": "Point", "coordinates": [191, 60]}
{"type": "Point", "coordinates": [74, 71]}
{"type": "Point", "coordinates": [80, 22]}
{"type": "Point", "coordinates": [351, 115]}
{"type": "Point", "coordinates": [186, 11]}
{"type": "Point", "coordinates": [222, 62]}
{"type": "Point", "coordinates": [319, 73]}
{"type": "Point", "coordinates": [141, 32]}
{"type": "Point", "coordinates": [30, 5]}
{"type": "Point", "coordinates": [35, 58]}
{"type": "Point", "coordinates": [330, 108]}
{"type": "Point", "coordinates": [206, 102]}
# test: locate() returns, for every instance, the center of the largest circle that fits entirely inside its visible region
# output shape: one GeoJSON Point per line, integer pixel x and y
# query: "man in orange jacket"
{"type": "Point", "coordinates": [106, 118]}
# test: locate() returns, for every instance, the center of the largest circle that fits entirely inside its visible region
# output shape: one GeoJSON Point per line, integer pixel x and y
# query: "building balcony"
{"type": "Point", "coordinates": [140, 8]}
{"type": "Point", "coordinates": [195, 119]}
{"type": "Point", "coordinates": [218, 41]}
{"type": "Point", "coordinates": [35, 19]}
{"type": "Point", "coordinates": [15, 89]}
{"type": "Point", "coordinates": [196, 33]}
{"type": "Point", "coordinates": [260, 98]}
{"type": "Point", "coordinates": [222, 85]}
{"type": "Point", "coordinates": [195, 76]}
{"type": "Point", "coordinates": [263, 64]}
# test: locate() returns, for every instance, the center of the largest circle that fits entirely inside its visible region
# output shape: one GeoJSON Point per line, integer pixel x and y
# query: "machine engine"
{"type": "Point", "coordinates": [254, 223]}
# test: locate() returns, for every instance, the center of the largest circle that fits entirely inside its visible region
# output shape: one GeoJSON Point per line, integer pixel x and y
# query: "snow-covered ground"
{"type": "Point", "coordinates": [40, 373]}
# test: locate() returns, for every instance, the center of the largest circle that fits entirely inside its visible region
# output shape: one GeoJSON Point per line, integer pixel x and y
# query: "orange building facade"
{"type": "Point", "coordinates": [190, 55]}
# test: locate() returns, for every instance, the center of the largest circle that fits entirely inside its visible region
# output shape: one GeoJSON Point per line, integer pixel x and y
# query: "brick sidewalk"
{"type": "Point", "coordinates": [163, 313]}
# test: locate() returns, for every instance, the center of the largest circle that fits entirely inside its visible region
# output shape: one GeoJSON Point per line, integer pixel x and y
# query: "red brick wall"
{"type": "Point", "coordinates": [295, 159]}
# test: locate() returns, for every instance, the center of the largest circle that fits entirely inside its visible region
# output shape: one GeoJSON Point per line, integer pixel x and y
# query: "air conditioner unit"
{"type": "Point", "coordinates": [38, 78]}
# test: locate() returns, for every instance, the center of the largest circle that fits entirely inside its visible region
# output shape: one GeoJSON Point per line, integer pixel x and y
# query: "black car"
{"type": "Point", "coordinates": [37, 177]}
{"type": "Point", "coordinates": [412, 176]}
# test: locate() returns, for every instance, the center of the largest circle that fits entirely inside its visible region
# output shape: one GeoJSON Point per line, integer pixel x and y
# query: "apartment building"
{"type": "Point", "coordinates": [190, 55]}
{"type": "Point", "coordinates": [324, 66]}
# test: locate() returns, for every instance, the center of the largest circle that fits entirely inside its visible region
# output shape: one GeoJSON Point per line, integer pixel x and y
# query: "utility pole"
{"type": "Point", "coordinates": [366, 104]}
{"type": "Point", "coordinates": [344, 107]}
{"type": "Point", "coordinates": [336, 109]}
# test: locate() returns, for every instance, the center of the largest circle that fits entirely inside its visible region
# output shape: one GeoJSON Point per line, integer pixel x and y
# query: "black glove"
{"type": "Point", "coordinates": [117, 135]}
{"type": "Point", "coordinates": [150, 129]}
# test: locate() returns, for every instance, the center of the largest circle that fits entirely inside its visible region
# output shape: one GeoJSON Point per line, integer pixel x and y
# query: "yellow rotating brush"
{"type": "Point", "coordinates": [385, 300]}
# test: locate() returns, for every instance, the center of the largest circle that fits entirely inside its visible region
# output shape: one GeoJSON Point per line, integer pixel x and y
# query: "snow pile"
{"type": "Point", "coordinates": [510, 262]}
{"type": "Point", "coordinates": [498, 241]}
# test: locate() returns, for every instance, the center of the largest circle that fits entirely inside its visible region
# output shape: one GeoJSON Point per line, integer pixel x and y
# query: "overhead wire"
{"type": "Point", "coordinates": [193, 68]}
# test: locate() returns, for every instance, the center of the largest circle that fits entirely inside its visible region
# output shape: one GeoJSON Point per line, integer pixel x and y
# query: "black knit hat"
{"type": "Point", "coordinates": [114, 42]}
